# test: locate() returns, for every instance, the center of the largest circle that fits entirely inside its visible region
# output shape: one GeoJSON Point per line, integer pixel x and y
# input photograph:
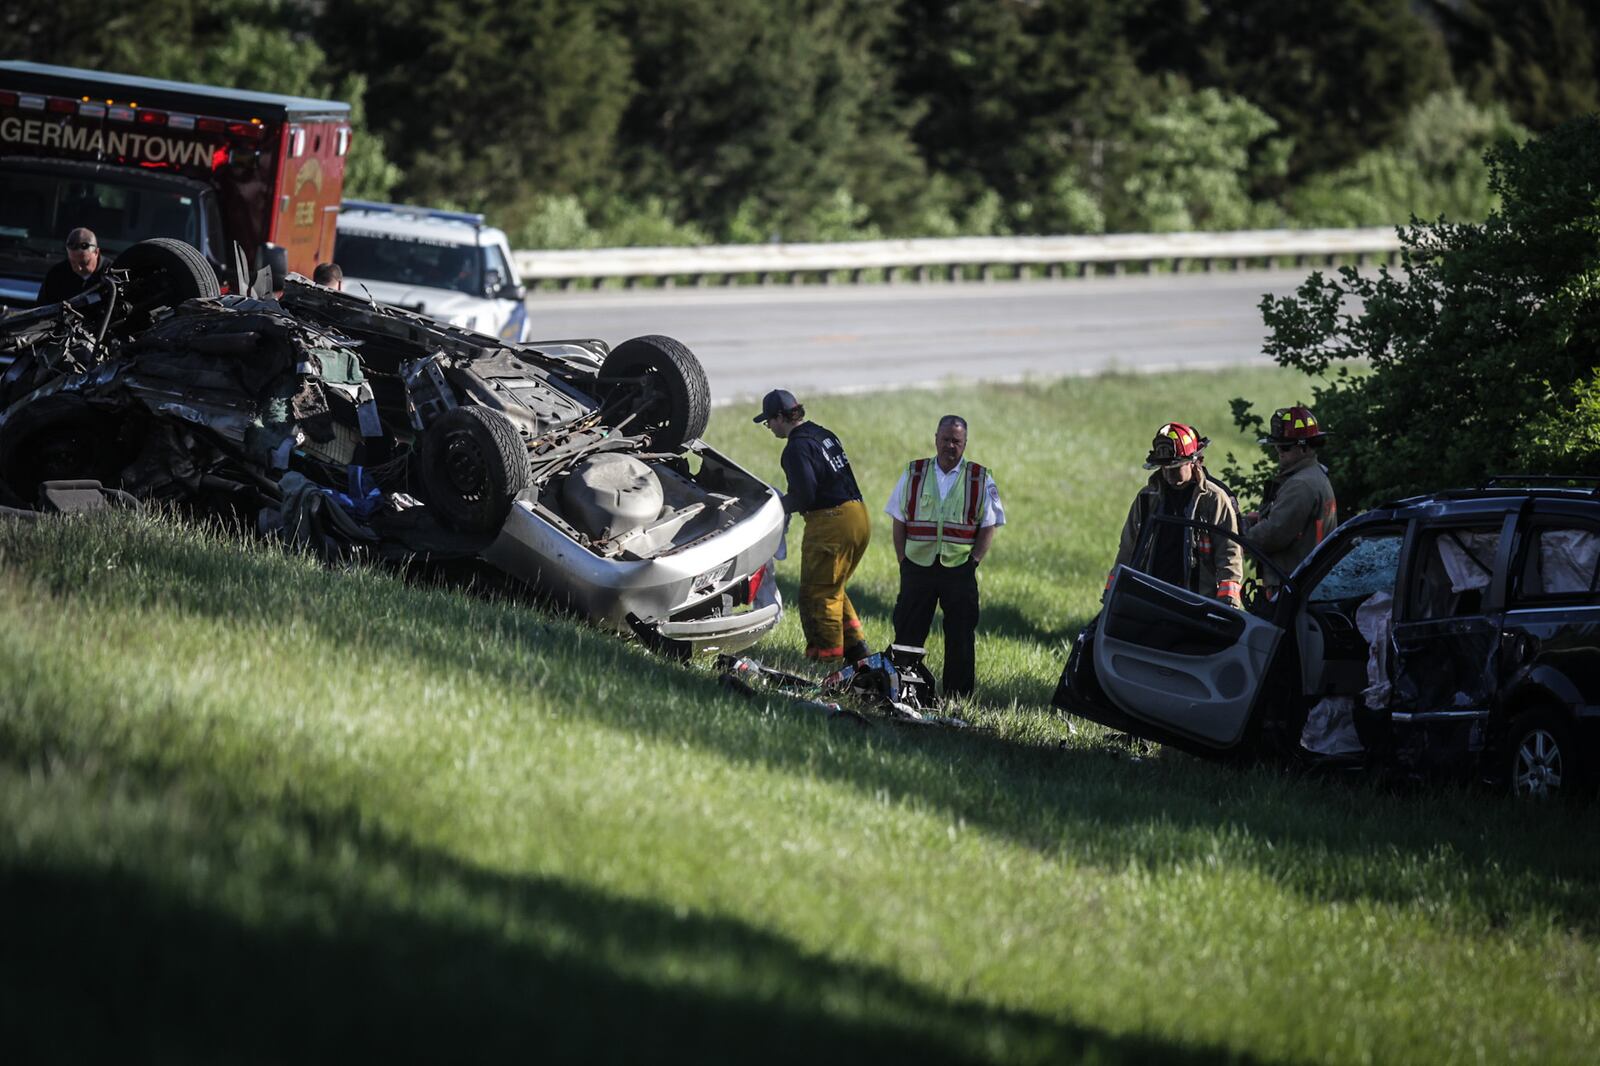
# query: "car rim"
{"type": "Point", "coordinates": [1537, 771]}
{"type": "Point", "coordinates": [464, 466]}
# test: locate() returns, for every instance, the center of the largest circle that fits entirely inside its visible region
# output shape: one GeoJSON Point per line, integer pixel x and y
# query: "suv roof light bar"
{"type": "Point", "coordinates": [469, 217]}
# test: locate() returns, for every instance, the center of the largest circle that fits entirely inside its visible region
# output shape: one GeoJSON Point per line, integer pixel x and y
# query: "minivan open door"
{"type": "Point", "coordinates": [1186, 667]}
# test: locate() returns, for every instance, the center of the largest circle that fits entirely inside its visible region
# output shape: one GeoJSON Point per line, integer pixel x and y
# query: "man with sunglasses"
{"type": "Point", "coordinates": [80, 271]}
{"type": "Point", "coordinates": [1298, 509]}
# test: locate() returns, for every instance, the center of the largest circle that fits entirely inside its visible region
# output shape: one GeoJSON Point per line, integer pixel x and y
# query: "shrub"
{"type": "Point", "coordinates": [1482, 347]}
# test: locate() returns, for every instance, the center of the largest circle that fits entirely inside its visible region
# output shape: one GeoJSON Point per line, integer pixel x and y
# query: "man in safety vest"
{"type": "Point", "coordinates": [1299, 508]}
{"type": "Point", "coordinates": [1181, 487]}
{"type": "Point", "coordinates": [945, 512]}
{"type": "Point", "coordinates": [822, 488]}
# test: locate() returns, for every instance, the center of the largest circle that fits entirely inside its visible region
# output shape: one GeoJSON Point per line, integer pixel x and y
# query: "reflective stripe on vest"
{"type": "Point", "coordinates": [942, 529]}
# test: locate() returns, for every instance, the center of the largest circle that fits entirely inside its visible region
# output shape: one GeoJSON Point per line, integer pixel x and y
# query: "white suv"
{"type": "Point", "coordinates": [445, 264]}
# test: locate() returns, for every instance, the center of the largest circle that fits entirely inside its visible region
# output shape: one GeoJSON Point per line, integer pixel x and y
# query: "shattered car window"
{"type": "Point", "coordinates": [1368, 567]}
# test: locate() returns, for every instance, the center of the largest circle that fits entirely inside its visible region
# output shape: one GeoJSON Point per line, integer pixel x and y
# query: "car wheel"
{"type": "Point", "coordinates": [676, 396]}
{"type": "Point", "coordinates": [473, 466]}
{"type": "Point", "coordinates": [1543, 755]}
{"type": "Point", "coordinates": [166, 272]}
{"type": "Point", "coordinates": [57, 438]}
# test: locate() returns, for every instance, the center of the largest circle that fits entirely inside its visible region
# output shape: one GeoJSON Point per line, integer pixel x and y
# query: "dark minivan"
{"type": "Point", "coordinates": [1456, 633]}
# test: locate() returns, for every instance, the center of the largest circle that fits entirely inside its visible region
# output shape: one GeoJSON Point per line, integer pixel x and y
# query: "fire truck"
{"type": "Point", "coordinates": [132, 158]}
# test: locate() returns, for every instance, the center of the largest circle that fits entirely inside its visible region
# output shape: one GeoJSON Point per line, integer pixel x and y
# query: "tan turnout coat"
{"type": "Point", "coordinates": [1214, 565]}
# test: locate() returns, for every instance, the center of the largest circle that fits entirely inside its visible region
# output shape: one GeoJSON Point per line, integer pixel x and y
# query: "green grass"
{"type": "Point", "coordinates": [254, 809]}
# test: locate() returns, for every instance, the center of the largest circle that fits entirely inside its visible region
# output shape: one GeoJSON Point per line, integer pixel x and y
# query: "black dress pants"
{"type": "Point", "coordinates": [955, 589]}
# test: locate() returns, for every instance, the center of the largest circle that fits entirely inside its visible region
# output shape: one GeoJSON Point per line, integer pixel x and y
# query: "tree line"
{"type": "Point", "coordinates": [586, 122]}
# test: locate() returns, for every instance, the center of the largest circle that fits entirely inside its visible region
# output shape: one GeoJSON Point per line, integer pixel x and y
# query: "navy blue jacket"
{"type": "Point", "coordinates": [819, 472]}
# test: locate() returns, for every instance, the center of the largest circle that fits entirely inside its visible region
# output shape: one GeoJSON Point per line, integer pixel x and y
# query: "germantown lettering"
{"type": "Point", "coordinates": [78, 140]}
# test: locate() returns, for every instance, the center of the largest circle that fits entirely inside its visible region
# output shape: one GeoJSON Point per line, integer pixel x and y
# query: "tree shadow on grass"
{"type": "Point", "coordinates": [474, 965]}
{"type": "Point", "coordinates": [1312, 837]}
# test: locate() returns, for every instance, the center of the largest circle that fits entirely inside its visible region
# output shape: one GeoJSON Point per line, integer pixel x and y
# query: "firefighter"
{"type": "Point", "coordinates": [1182, 488]}
{"type": "Point", "coordinates": [822, 489]}
{"type": "Point", "coordinates": [1299, 507]}
{"type": "Point", "coordinates": [945, 512]}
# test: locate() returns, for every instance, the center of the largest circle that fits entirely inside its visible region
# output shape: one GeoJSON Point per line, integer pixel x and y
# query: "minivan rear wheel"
{"type": "Point", "coordinates": [1543, 755]}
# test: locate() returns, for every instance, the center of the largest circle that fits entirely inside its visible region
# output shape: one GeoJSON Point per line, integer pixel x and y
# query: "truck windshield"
{"type": "Point", "coordinates": [37, 210]}
{"type": "Point", "coordinates": [410, 261]}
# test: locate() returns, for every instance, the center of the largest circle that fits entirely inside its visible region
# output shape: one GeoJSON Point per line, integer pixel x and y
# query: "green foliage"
{"type": "Point", "coordinates": [563, 222]}
{"type": "Point", "coordinates": [772, 115]}
{"type": "Point", "coordinates": [1192, 165]}
{"type": "Point", "coordinates": [1478, 348]}
{"type": "Point", "coordinates": [1543, 56]}
{"type": "Point", "coordinates": [836, 218]}
{"type": "Point", "coordinates": [1029, 101]}
{"type": "Point", "coordinates": [1436, 168]}
{"type": "Point", "coordinates": [1338, 78]}
{"type": "Point", "coordinates": [489, 104]}
{"type": "Point", "coordinates": [1568, 440]}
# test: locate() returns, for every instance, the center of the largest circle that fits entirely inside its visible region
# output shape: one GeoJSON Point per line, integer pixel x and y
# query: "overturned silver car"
{"type": "Point", "coordinates": [355, 428]}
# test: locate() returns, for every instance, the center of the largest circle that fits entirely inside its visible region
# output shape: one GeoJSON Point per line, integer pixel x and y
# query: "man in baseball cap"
{"type": "Point", "coordinates": [822, 489]}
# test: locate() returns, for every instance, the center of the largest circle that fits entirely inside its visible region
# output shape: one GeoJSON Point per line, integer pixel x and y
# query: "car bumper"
{"type": "Point", "coordinates": [667, 595]}
{"type": "Point", "coordinates": [725, 634]}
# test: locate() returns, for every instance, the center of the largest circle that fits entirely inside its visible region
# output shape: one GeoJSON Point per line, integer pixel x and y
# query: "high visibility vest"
{"type": "Point", "coordinates": [943, 529]}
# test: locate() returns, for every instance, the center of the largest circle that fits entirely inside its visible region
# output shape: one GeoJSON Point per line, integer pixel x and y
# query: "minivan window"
{"type": "Point", "coordinates": [1368, 565]}
{"type": "Point", "coordinates": [1559, 561]}
{"type": "Point", "coordinates": [1454, 569]}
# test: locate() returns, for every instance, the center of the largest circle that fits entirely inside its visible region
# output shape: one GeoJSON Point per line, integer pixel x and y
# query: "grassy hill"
{"type": "Point", "coordinates": [252, 809]}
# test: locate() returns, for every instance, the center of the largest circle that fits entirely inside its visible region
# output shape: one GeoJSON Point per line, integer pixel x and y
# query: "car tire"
{"type": "Point", "coordinates": [168, 272]}
{"type": "Point", "coordinates": [60, 437]}
{"type": "Point", "coordinates": [1542, 758]}
{"type": "Point", "coordinates": [473, 465]}
{"type": "Point", "coordinates": [681, 407]}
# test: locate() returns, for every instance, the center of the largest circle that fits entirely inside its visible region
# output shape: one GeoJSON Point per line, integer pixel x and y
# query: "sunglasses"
{"type": "Point", "coordinates": [81, 246]}
{"type": "Point", "coordinates": [1285, 447]}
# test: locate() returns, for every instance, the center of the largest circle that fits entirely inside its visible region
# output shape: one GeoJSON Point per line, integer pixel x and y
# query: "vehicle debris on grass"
{"type": "Point", "coordinates": [894, 685]}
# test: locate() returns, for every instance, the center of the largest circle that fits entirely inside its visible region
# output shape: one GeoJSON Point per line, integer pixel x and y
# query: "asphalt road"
{"type": "Point", "coordinates": [843, 339]}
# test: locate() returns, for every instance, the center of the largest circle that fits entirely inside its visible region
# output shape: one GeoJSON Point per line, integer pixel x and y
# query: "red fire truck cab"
{"type": "Point", "coordinates": [132, 158]}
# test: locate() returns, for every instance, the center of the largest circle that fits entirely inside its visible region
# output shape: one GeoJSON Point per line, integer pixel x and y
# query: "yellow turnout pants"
{"type": "Point", "coordinates": [835, 540]}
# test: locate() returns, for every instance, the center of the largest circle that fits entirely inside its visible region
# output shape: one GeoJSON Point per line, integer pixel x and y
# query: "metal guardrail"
{"type": "Point", "coordinates": [980, 258]}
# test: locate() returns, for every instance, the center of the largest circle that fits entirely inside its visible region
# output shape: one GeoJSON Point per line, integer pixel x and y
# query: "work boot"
{"type": "Point", "coordinates": [856, 650]}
